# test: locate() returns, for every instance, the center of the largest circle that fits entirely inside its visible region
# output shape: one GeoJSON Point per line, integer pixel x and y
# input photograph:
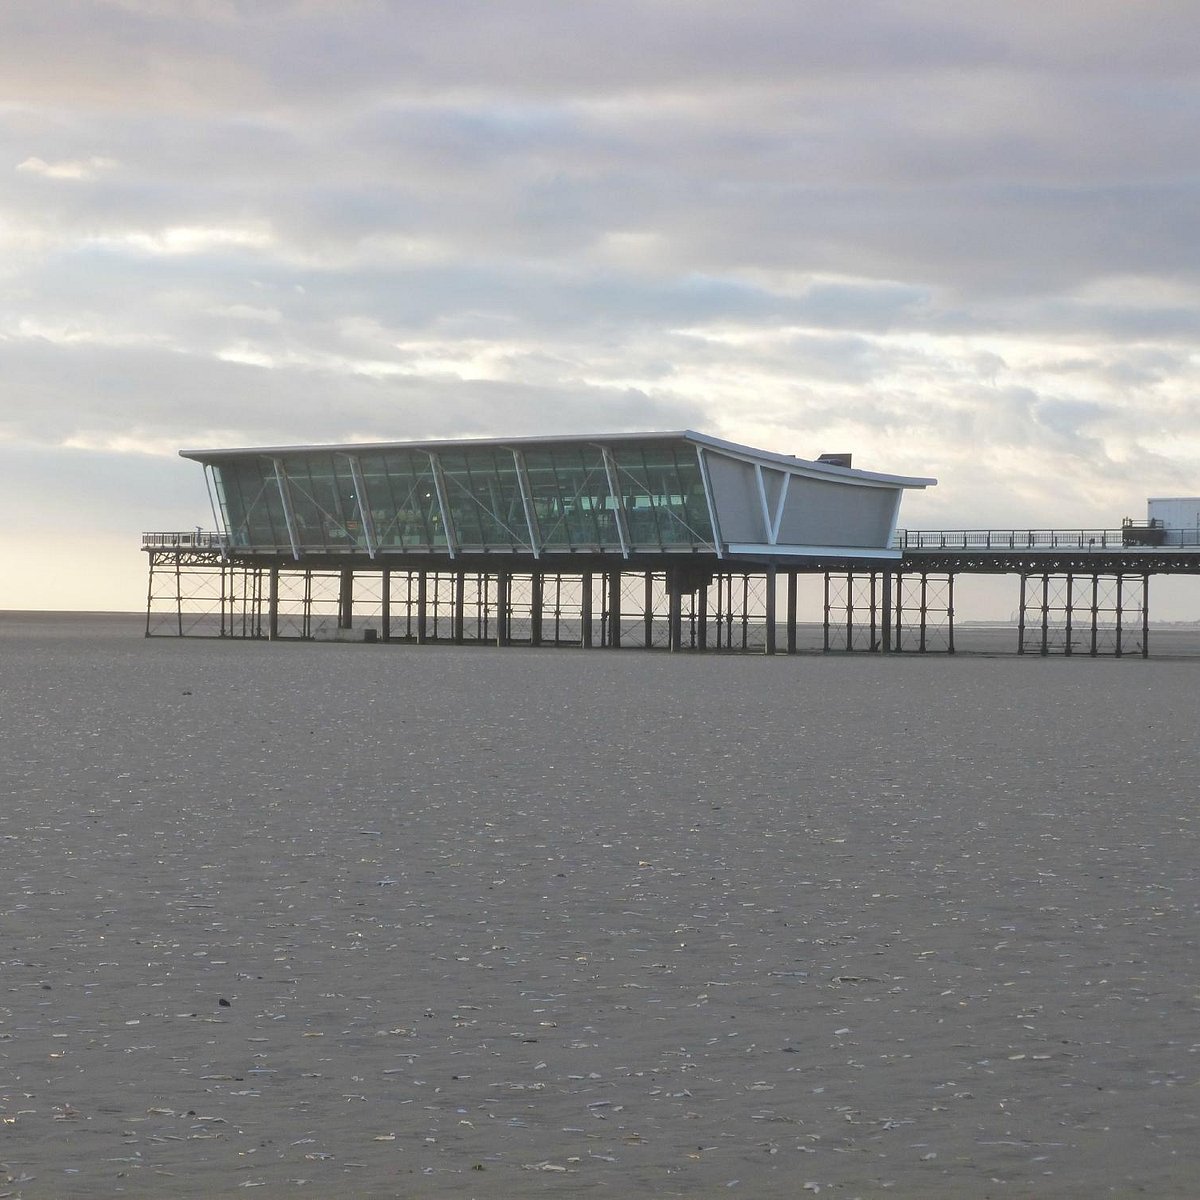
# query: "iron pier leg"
{"type": "Point", "coordinates": [503, 607]}
{"type": "Point", "coordinates": [850, 611]}
{"type": "Point", "coordinates": [458, 619]}
{"type": "Point", "coordinates": [924, 609]}
{"type": "Point", "coordinates": [648, 612]}
{"type": "Point", "coordinates": [153, 559]}
{"type": "Point", "coordinates": [1070, 611]}
{"type": "Point", "coordinates": [422, 606]}
{"type": "Point", "coordinates": [772, 578]}
{"type": "Point", "coordinates": [614, 609]}
{"type": "Point", "coordinates": [1021, 619]}
{"type": "Point", "coordinates": [273, 604]}
{"type": "Point", "coordinates": [1095, 615]}
{"type": "Point", "coordinates": [825, 626]}
{"type": "Point", "coordinates": [585, 609]}
{"type": "Point", "coordinates": [1145, 616]}
{"type": "Point", "coordinates": [950, 613]}
{"type": "Point", "coordinates": [791, 612]}
{"type": "Point", "coordinates": [887, 612]}
{"type": "Point", "coordinates": [873, 645]}
{"type": "Point", "coordinates": [674, 611]}
{"type": "Point", "coordinates": [537, 594]}
{"type": "Point", "coordinates": [1045, 614]}
{"type": "Point", "coordinates": [1120, 614]}
{"type": "Point", "coordinates": [346, 599]}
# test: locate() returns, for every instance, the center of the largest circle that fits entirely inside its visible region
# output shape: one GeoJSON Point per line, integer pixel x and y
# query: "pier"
{"type": "Point", "coordinates": [673, 540]}
{"type": "Point", "coordinates": [1082, 592]}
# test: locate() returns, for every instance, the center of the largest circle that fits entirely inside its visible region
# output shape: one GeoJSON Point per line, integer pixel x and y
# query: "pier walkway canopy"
{"type": "Point", "coordinates": [646, 497]}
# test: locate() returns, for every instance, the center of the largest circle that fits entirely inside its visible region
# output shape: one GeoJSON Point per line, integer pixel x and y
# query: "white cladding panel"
{"type": "Point", "coordinates": [791, 509]}
{"type": "Point", "coordinates": [1181, 512]}
{"type": "Point", "coordinates": [825, 513]}
{"type": "Point", "coordinates": [736, 499]}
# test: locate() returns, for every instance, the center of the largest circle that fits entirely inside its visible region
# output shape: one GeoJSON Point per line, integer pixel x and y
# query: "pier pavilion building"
{"type": "Point", "coordinates": [670, 538]}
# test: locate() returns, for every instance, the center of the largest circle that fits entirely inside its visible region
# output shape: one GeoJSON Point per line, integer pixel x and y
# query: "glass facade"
{"type": "Point", "coordinates": [554, 497]}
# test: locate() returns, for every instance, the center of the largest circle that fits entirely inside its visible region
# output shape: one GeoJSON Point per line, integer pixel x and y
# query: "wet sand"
{"type": "Point", "coordinates": [295, 919]}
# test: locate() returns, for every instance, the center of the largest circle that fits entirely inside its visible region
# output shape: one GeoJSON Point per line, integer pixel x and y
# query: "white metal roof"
{"type": "Point", "coordinates": [787, 462]}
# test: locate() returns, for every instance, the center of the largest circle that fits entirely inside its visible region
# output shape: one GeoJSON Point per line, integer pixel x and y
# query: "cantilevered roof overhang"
{"type": "Point", "coordinates": [633, 495]}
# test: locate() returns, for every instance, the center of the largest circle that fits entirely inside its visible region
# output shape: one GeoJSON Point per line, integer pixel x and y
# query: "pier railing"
{"type": "Point", "coordinates": [1127, 536]}
{"type": "Point", "coordinates": [194, 539]}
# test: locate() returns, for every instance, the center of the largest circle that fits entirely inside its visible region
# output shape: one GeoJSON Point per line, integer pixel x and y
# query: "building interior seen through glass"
{"type": "Point", "coordinates": [492, 497]}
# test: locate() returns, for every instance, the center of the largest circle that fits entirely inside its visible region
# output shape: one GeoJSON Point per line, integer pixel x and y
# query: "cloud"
{"type": "Point", "coordinates": [70, 169]}
{"type": "Point", "coordinates": [952, 239]}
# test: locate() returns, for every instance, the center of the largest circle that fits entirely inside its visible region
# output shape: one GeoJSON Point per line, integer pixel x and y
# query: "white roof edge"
{"type": "Point", "coordinates": [799, 465]}
{"type": "Point", "coordinates": [440, 443]}
{"type": "Point", "coordinates": [809, 466]}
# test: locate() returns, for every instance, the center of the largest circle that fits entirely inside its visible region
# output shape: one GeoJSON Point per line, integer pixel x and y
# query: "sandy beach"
{"type": "Point", "coordinates": [373, 921]}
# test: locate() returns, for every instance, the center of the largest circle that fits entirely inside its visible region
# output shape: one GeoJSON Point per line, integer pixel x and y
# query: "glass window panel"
{"type": "Point", "coordinates": [404, 500]}
{"type": "Point", "coordinates": [483, 495]}
{"type": "Point", "coordinates": [663, 495]}
{"type": "Point", "coordinates": [255, 512]}
{"type": "Point", "coordinates": [571, 498]}
{"type": "Point", "coordinates": [321, 490]}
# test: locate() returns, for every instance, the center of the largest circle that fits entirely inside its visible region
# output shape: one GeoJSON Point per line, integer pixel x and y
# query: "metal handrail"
{"type": "Point", "coordinates": [1131, 534]}
{"type": "Point", "coordinates": [194, 539]}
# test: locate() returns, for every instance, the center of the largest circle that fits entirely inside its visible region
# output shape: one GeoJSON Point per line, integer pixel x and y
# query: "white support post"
{"type": "Point", "coordinates": [360, 497]}
{"type": "Point", "coordinates": [219, 522]}
{"type": "Point", "coordinates": [762, 502]}
{"type": "Point", "coordinates": [702, 461]}
{"type": "Point", "coordinates": [535, 537]}
{"type": "Point", "coordinates": [610, 471]}
{"type": "Point", "coordinates": [439, 486]}
{"type": "Point", "coordinates": [289, 515]}
{"type": "Point", "coordinates": [783, 495]}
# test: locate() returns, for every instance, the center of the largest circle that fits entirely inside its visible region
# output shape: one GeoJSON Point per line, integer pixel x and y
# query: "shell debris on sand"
{"type": "Point", "coordinates": [565, 921]}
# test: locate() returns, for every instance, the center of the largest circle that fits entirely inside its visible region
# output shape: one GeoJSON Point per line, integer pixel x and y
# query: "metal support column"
{"type": "Point", "coordinates": [648, 611]}
{"type": "Point", "coordinates": [771, 580]}
{"type": "Point", "coordinates": [791, 612]}
{"type": "Point", "coordinates": [924, 609]}
{"type": "Point", "coordinates": [1145, 616]}
{"type": "Point", "coordinates": [537, 595]}
{"type": "Point", "coordinates": [385, 610]}
{"type": "Point", "coordinates": [585, 610]}
{"type": "Point", "coordinates": [887, 612]}
{"type": "Point", "coordinates": [825, 623]}
{"type": "Point", "coordinates": [503, 607]}
{"type": "Point", "coordinates": [950, 613]}
{"type": "Point", "coordinates": [458, 618]}
{"type": "Point", "coordinates": [273, 603]}
{"type": "Point", "coordinates": [614, 608]}
{"type": "Point", "coordinates": [674, 611]}
{"type": "Point", "coordinates": [1070, 613]}
{"type": "Point", "coordinates": [850, 611]}
{"type": "Point", "coordinates": [1095, 615]}
{"type": "Point", "coordinates": [1045, 614]}
{"type": "Point", "coordinates": [346, 599]}
{"type": "Point", "coordinates": [1120, 613]}
{"type": "Point", "coordinates": [1021, 618]}
{"type": "Point", "coordinates": [422, 605]}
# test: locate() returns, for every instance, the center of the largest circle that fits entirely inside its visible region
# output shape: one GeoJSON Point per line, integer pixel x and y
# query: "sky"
{"type": "Point", "coordinates": [958, 240]}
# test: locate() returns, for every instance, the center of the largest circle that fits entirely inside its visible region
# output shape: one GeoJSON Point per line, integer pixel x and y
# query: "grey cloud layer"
{"type": "Point", "coordinates": [963, 237]}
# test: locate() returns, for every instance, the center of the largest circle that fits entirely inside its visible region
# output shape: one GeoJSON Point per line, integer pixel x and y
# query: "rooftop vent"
{"type": "Point", "coordinates": [835, 460]}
